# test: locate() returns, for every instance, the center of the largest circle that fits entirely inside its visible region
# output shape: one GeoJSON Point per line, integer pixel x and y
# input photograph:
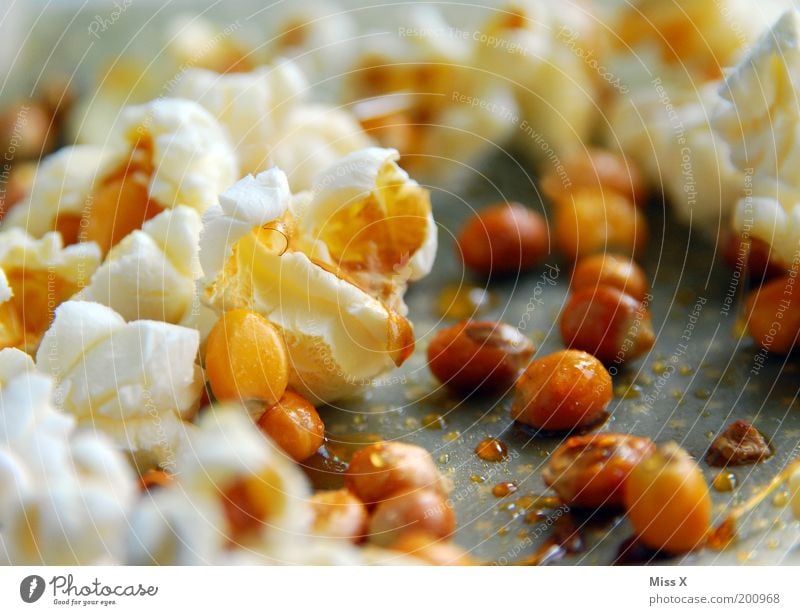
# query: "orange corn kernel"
{"type": "Point", "coordinates": [294, 424]}
{"type": "Point", "coordinates": [667, 500]}
{"type": "Point", "coordinates": [121, 203]}
{"type": "Point", "coordinates": [246, 358]}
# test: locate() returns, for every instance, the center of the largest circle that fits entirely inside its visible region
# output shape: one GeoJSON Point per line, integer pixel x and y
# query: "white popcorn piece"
{"type": "Point", "coordinates": [38, 275]}
{"type": "Point", "coordinates": [318, 35]}
{"type": "Point", "coordinates": [538, 48]}
{"type": "Point", "coordinates": [270, 121]}
{"type": "Point", "coordinates": [151, 273]}
{"type": "Point", "coordinates": [425, 91]}
{"type": "Point", "coordinates": [191, 157]}
{"type": "Point", "coordinates": [761, 123]}
{"type": "Point", "coordinates": [367, 216]}
{"type": "Point", "coordinates": [695, 40]}
{"type": "Point", "coordinates": [251, 107]}
{"type": "Point", "coordinates": [229, 471]}
{"type": "Point", "coordinates": [667, 130]}
{"type": "Point", "coordinates": [137, 382]}
{"type": "Point", "coordinates": [193, 40]}
{"type": "Point", "coordinates": [329, 271]}
{"type": "Point", "coordinates": [58, 198]}
{"type": "Point", "coordinates": [64, 495]}
{"type": "Point", "coordinates": [313, 137]}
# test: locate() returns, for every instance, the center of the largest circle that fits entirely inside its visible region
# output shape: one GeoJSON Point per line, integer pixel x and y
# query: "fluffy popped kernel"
{"type": "Point", "coordinates": [371, 220]}
{"type": "Point", "coordinates": [760, 123]}
{"type": "Point", "coordinates": [233, 489]}
{"type": "Point", "coordinates": [693, 168]}
{"type": "Point", "coordinates": [137, 382]}
{"type": "Point", "coordinates": [151, 273]}
{"type": "Point", "coordinates": [169, 152]}
{"type": "Point", "coordinates": [701, 37]}
{"type": "Point", "coordinates": [557, 92]}
{"type": "Point", "coordinates": [429, 97]}
{"type": "Point", "coordinates": [270, 121]}
{"type": "Point", "coordinates": [39, 274]}
{"type": "Point", "coordinates": [59, 195]}
{"type": "Point", "coordinates": [339, 336]}
{"type": "Point", "coordinates": [316, 34]}
{"type": "Point", "coordinates": [193, 40]}
{"type": "Point", "coordinates": [64, 495]}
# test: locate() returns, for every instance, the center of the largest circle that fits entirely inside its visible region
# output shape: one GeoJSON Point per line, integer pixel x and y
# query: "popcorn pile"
{"type": "Point", "coordinates": [115, 270]}
{"type": "Point", "coordinates": [144, 266]}
{"type": "Point", "coordinates": [65, 494]}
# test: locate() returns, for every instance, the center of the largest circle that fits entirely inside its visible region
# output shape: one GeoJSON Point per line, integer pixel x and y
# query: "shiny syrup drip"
{"type": "Point", "coordinates": [491, 449]}
{"type": "Point", "coordinates": [502, 490]}
{"type": "Point", "coordinates": [462, 301]}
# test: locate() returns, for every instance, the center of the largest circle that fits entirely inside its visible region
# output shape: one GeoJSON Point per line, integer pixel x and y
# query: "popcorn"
{"type": "Point", "coordinates": [236, 499]}
{"type": "Point", "coordinates": [271, 123]}
{"type": "Point", "coordinates": [233, 489]}
{"type": "Point", "coordinates": [698, 38]}
{"type": "Point", "coordinates": [171, 152]}
{"type": "Point", "coordinates": [538, 47]}
{"type": "Point", "coordinates": [64, 496]}
{"type": "Point", "coordinates": [58, 197]}
{"type": "Point", "coordinates": [137, 382]}
{"type": "Point", "coordinates": [192, 40]}
{"type": "Point", "coordinates": [313, 137]}
{"type": "Point", "coordinates": [38, 274]}
{"type": "Point", "coordinates": [328, 268]}
{"type": "Point", "coordinates": [760, 122]}
{"type": "Point", "coordinates": [369, 218]}
{"type": "Point", "coordinates": [422, 93]}
{"type": "Point", "coordinates": [667, 131]}
{"type": "Point", "coordinates": [316, 34]}
{"type": "Point", "coordinates": [191, 158]}
{"type": "Point", "coordinates": [151, 273]}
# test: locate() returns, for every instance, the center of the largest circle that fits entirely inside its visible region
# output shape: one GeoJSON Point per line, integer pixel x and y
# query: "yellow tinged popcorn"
{"type": "Point", "coordinates": [166, 153]}
{"type": "Point", "coordinates": [759, 121]}
{"type": "Point", "coordinates": [37, 276]}
{"type": "Point", "coordinates": [338, 306]}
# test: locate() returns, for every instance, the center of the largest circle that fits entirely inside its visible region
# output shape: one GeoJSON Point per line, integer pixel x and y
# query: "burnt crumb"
{"type": "Point", "coordinates": [739, 444]}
